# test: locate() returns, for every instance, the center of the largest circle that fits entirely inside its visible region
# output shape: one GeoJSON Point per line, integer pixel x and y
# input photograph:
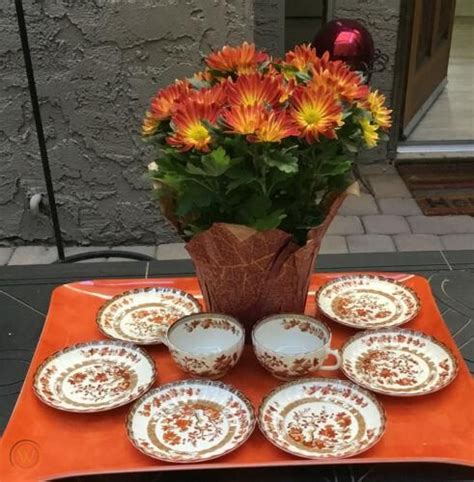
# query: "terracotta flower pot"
{"type": "Point", "coordinates": [249, 274]}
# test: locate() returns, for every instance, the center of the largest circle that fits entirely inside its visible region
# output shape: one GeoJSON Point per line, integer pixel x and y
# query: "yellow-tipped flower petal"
{"type": "Point", "coordinates": [369, 131]}
{"type": "Point", "coordinates": [213, 95]}
{"type": "Point", "coordinates": [254, 89]}
{"type": "Point", "coordinates": [274, 127]}
{"type": "Point", "coordinates": [149, 125]}
{"type": "Point", "coordinates": [243, 59]}
{"type": "Point", "coordinates": [302, 58]}
{"type": "Point", "coordinates": [244, 119]}
{"type": "Point", "coordinates": [380, 113]}
{"type": "Point", "coordinates": [189, 129]}
{"type": "Point", "coordinates": [336, 76]}
{"type": "Point", "coordinates": [316, 113]}
{"type": "Point", "coordinates": [166, 100]}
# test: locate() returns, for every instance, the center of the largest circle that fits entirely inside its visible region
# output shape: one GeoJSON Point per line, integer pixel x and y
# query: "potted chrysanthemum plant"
{"type": "Point", "coordinates": [253, 157]}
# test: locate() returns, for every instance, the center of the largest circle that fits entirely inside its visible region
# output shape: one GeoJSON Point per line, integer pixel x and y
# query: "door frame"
{"type": "Point", "coordinates": [402, 60]}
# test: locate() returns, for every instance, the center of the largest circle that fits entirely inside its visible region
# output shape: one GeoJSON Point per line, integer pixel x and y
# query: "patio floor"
{"type": "Point", "coordinates": [388, 221]}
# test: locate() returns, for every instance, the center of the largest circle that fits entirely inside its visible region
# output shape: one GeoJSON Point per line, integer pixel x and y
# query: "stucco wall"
{"type": "Point", "coordinates": [97, 63]}
{"type": "Point", "coordinates": [270, 25]}
{"type": "Point", "coordinates": [381, 18]}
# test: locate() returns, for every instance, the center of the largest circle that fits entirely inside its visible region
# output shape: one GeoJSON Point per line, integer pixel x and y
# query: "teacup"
{"type": "Point", "coordinates": [206, 345]}
{"type": "Point", "coordinates": [292, 346]}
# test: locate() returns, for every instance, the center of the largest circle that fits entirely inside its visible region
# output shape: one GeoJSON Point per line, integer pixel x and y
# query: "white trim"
{"type": "Point", "coordinates": [433, 148]}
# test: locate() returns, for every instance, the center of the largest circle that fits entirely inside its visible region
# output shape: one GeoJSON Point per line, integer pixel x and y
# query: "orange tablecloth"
{"type": "Point", "coordinates": [43, 443]}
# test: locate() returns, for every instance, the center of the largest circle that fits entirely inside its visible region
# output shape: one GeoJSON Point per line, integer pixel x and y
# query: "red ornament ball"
{"type": "Point", "coordinates": [346, 40]}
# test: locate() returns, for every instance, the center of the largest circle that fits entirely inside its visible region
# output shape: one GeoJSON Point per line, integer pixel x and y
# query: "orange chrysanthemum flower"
{"type": "Point", "coordinates": [271, 69]}
{"type": "Point", "coordinates": [380, 113]}
{"type": "Point", "coordinates": [243, 59]}
{"type": "Point", "coordinates": [189, 129]}
{"type": "Point", "coordinates": [316, 113]}
{"type": "Point", "coordinates": [149, 125]}
{"type": "Point", "coordinates": [322, 62]}
{"type": "Point", "coordinates": [212, 95]}
{"type": "Point", "coordinates": [346, 84]}
{"type": "Point", "coordinates": [204, 75]}
{"type": "Point", "coordinates": [274, 127]}
{"type": "Point", "coordinates": [287, 89]}
{"type": "Point", "coordinates": [254, 89]}
{"type": "Point", "coordinates": [302, 58]}
{"type": "Point", "coordinates": [244, 119]}
{"type": "Point", "coordinates": [166, 100]}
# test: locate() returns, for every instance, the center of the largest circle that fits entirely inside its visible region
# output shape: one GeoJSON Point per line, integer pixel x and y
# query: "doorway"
{"type": "Point", "coordinates": [439, 99]}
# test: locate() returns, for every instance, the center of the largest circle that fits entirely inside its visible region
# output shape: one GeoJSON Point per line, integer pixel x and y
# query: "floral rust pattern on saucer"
{"type": "Point", "coordinates": [190, 421]}
{"type": "Point", "coordinates": [398, 362]}
{"type": "Point", "coordinates": [143, 315]}
{"type": "Point", "coordinates": [367, 301]}
{"type": "Point", "coordinates": [318, 418]}
{"type": "Point", "coordinates": [94, 376]}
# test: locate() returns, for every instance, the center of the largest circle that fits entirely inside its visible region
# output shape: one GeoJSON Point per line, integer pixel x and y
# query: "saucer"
{"type": "Point", "coordinates": [367, 301]}
{"type": "Point", "coordinates": [318, 418]}
{"type": "Point", "coordinates": [94, 376]}
{"type": "Point", "coordinates": [143, 315]}
{"type": "Point", "coordinates": [190, 421]}
{"type": "Point", "coordinates": [398, 362]}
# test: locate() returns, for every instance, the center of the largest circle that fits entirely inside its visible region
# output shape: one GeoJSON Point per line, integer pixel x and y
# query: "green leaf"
{"type": "Point", "coordinates": [264, 65]}
{"type": "Point", "coordinates": [184, 206]}
{"type": "Point", "coordinates": [336, 169]}
{"type": "Point", "coordinates": [328, 149]}
{"type": "Point", "coordinates": [278, 180]}
{"type": "Point", "coordinates": [193, 197]}
{"type": "Point", "coordinates": [254, 208]}
{"type": "Point", "coordinates": [290, 148]}
{"type": "Point", "coordinates": [172, 160]}
{"type": "Point", "coordinates": [198, 84]}
{"type": "Point", "coordinates": [339, 183]}
{"type": "Point", "coordinates": [156, 138]}
{"type": "Point", "coordinates": [192, 169]}
{"type": "Point", "coordinates": [303, 76]}
{"type": "Point", "coordinates": [238, 171]}
{"type": "Point", "coordinates": [219, 73]}
{"type": "Point", "coordinates": [359, 112]}
{"type": "Point", "coordinates": [172, 180]}
{"type": "Point", "coordinates": [246, 178]}
{"type": "Point", "coordinates": [209, 125]}
{"type": "Point", "coordinates": [350, 146]}
{"type": "Point", "coordinates": [271, 221]}
{"type": "Point", "coordinates": [284, 162]}
{"type": "Point", "coordinates": [278, 67]}
{"type": "Point", "coordinates": [216, 163]}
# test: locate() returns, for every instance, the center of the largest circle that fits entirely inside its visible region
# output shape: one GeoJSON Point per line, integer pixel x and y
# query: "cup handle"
{"type": "Point", "coordinates": [337, 356]}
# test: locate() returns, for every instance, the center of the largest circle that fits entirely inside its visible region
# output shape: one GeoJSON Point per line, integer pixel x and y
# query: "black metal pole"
{"type": "Point", "coordinates": [39, 128]}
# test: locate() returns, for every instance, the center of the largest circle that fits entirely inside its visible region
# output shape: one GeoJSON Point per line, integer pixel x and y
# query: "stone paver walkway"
{"type": "Point", "coordinates": [389, 220]}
